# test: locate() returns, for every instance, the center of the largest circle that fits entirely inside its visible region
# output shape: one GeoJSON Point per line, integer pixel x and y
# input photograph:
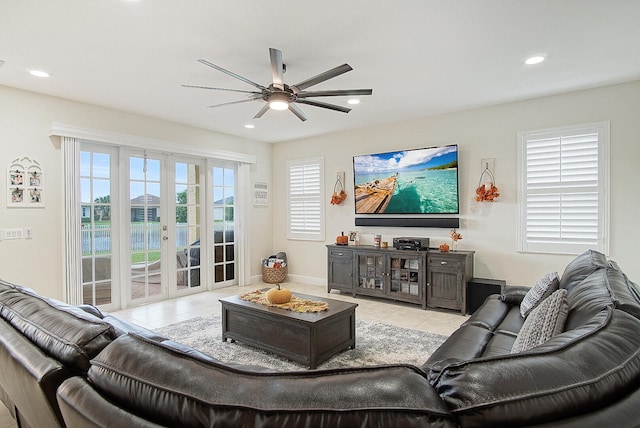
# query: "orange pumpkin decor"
{"type": "Point", "coordinates": [278, 295]}
{"type": "Point", "coordinates": [342, 239]}
{"type": "Point", "coordinates": [444, 248]}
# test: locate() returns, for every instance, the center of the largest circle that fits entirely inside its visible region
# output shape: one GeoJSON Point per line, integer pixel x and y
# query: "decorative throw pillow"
{"type": "Point", "coordinates": [540, 291]}
{"type": "Point", "coordinates": [545, 321]}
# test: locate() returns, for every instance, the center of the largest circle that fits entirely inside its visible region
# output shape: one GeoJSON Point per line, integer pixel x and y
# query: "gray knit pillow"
{"type": "Point", "coordinates": [545, 321]}
{"type": "Point", "coordinates": [540, 291]}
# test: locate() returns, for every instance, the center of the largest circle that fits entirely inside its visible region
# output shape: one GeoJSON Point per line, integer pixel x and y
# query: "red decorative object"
{"type": "Point", "coordinates": [455, 237]}
{"type": "Point", "coordinates": [339, 195]}
{"type": "Point", "coordinates": [487, 192]}
{"type": "Point", "coordinates": [338, 198]}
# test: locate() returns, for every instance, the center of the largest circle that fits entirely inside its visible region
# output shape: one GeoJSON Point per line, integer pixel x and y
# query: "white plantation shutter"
{"type": "Point", "coordinates": [305, 207]}
{"type": "Point", "coordinates": [563, 188]}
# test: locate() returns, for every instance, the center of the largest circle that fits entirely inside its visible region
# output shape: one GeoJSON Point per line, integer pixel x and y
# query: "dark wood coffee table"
{"type": "Point", "coordinates": [308, 338]}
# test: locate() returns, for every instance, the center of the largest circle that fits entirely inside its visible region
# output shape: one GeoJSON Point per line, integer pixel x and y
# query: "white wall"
{"type": "Point", "coordinates": [25, 123]}
{"type": "Point", "coordinates": [490, 132]}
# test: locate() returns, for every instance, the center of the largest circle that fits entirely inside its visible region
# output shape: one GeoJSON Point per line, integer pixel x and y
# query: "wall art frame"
{"type": "Point", "coordinates": [25, 183]}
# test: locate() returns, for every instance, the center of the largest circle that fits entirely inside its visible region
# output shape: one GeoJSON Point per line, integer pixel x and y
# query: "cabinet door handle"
{"type": "Point", "coordinates": [340, 254]}
{"type": "Point", "coordinates": [443, 263]}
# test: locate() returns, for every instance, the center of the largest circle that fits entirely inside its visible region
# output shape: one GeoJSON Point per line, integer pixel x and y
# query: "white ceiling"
{"type": "Point", "coordinates": [421, 57]}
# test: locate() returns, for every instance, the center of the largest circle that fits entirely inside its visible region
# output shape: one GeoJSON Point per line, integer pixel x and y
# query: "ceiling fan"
{"type": "Point", "coordinates": [280, 96]}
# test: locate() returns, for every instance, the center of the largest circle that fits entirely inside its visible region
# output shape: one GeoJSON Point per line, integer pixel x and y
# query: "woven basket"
{"type": "Point", "coordinates": [273, 275]}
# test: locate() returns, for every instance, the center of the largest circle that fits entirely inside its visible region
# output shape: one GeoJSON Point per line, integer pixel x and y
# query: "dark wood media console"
{"type": "Point", "coordinates": [428, 278]}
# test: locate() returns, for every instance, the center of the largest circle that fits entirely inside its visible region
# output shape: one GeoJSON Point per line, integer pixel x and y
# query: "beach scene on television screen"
{"type": "Point", "coordinates": [418, 181]}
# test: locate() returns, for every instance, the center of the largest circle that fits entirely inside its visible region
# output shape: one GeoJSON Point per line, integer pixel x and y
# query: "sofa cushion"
{"type": "Point", "coordinates": [588, 298]}
{"type": "Point", "coordinates": [540, 291]}
{"type": "Point", "coordinates": [624, 292]}
{"type": "Point", "coordinates": [581, 267]}
{"type": "Point", "coordinates": [68, 334]}
{"type": "Point", "coordinates": [174, 388]}
{"type": "Point", "coordinates": [545, 321]}
{"type": "Point", "coordinates": [490, 314]}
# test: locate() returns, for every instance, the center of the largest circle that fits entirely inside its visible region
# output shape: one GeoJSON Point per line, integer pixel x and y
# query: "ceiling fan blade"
{"type": "Point", "coordinates": [296, 110]}
{"type": "Point", "coordinates": [202, 61]}
{"type": "Point", "coordinates": [222, 89]}
{"type": "Point", "coordinates": [231, 103]}
{"type": "Point", "coordinates": [324, 105]}
{"type": "Point", "coordinates": [337, 93]}
{"type": "Point", "coordinates": [262, 111]}
{"type": "Point", "coordinates": [276, 68]}
{"type": "Point", "coordinates": [341, 69]}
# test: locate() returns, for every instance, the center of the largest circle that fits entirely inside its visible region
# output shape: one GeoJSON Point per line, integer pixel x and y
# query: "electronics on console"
{"type": "Point", "coordinates": [413, 244]}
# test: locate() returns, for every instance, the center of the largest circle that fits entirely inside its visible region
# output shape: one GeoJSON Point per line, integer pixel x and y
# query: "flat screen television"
{"type": "Point", "coordinates": [416, 181]}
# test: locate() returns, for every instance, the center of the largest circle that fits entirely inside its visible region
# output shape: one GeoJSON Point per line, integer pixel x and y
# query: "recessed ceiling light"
{"type": "Point", "coordinates": [353, 101]}
{"type": "Point", "coordinates": [249, 126]}
{"type": "Point", "coordinates": [534, 60]}
{"type": "Point", "coordinates": [39, 73]}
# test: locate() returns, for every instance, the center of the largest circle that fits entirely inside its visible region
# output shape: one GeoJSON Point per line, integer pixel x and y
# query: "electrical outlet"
{"type": "Point", "coordinates": [11, 234]}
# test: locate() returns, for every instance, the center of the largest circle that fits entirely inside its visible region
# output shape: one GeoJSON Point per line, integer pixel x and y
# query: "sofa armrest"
{"type": "Point", "coordinates": [81, 405]}
{"type": "Point", "coordinates": [513, 294]}
{"type": "Point", "coordinates": [29, 377]}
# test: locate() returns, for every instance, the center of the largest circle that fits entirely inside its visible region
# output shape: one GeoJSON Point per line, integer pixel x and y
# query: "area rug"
{"type": "Point", "coordinates": [376, 343]}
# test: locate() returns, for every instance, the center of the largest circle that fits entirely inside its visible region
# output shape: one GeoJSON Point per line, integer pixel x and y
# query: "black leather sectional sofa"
{"type": "Point", "coordinates": [63, 365]}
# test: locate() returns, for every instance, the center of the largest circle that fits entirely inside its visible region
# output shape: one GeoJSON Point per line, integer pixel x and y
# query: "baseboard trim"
{"type": "Point", "coordinates": [322, 282]}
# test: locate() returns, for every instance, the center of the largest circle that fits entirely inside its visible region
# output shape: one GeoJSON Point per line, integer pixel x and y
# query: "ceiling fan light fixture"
{"type": "Point", "coordinates": [280, 96]}
{"type": "Point", "coordinates": [353, 101]}
{"type": "Point", "coordinates": [279, 101]}
{"type": "Point", "coordinates": [278, 105]}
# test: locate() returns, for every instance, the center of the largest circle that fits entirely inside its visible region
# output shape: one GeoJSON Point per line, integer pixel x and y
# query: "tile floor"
{"type": "Point", "coordinates": [405, 315]}
{"type": "Point", "coordinates": [156, 315]}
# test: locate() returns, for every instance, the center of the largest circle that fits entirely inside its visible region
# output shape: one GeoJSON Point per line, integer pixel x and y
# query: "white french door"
{"type": "Point", "coordinates": [146, 228]}
{"type": "Point", "coordinates": [189, 243]}
{"type": "Point", "coordinates": [155, 225]}
{"type": "Point", "coordinates": [223, 208]}
{"type": "Point", "coordinates": [164, 228]}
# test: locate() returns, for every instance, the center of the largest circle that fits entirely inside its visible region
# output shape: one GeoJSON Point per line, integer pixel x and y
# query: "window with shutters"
{"type": "Point", "coordinates": [563, 188]}
{"type": "Point", "coordinates": [305, 192]}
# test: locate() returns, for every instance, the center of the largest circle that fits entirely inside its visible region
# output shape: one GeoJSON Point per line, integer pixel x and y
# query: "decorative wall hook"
{"type": "Point", "coordinates": [487, 190]}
